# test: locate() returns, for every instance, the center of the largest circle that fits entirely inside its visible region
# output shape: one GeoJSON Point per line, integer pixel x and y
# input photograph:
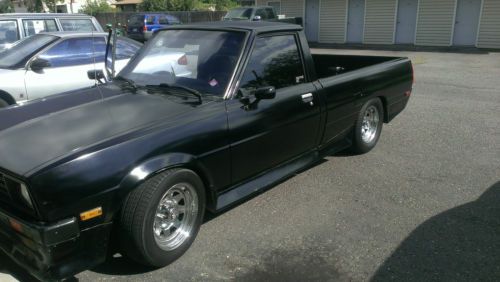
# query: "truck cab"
{"type": "Point", "coordinates": [253, 13]}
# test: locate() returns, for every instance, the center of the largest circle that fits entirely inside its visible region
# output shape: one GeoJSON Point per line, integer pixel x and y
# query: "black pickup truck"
{"type": "Point", "coordinates": [137, 161]}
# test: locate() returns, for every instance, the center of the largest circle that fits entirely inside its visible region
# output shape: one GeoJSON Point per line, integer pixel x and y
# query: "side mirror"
{"type": "Point", "coordinates": [257, 18]}
{"type": "Point", "coordinates": [267, 92]}
{"type": "Point", "coordinates": [95, 74]}
{"type": "Point", "coordinates": [39, 64]}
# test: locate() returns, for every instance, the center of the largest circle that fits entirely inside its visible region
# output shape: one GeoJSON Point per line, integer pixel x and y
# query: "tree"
{"type": "Point", "coordinates": [34, 6]}
{"type": "Point", "coordinates": [6, 6]}
{"type": "Point", "coordinates": [168, 5]}
{"type": "Point", "coordinates": [95, 6]}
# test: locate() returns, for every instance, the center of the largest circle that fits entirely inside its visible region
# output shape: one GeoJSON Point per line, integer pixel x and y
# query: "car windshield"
{"type": "Point", "coordinates": [22, 51]}
{"type": "Point", "coordinates": [239, 13]}
{"type": "Point", "coordinates": [8, 32]}
{"type": "Point", "coordinates": [202, 60]}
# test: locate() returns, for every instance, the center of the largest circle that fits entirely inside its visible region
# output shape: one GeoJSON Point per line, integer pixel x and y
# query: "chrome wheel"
{"type": "Point", "coordinates": [370, 123]}
{"type": "Point", "coordinates": [175, 216]}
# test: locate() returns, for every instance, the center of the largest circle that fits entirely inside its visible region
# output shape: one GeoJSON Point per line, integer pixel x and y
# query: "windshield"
{"type": "Point", "coordinates": [22, 51]}
{"type": "Point", "coordinates": [239, 13]}
{"type": "Point", "coordinates": [8, 32]}
{"type": "Point", "coordinates": [202, 60]}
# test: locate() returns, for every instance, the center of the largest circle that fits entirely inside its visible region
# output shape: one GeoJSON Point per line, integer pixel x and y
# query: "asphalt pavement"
{"type": "Point", "coordinates": [424, 205]}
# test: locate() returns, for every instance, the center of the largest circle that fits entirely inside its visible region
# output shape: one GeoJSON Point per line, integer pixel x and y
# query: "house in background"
{"type": "Point", "coordinates": [126, 5]}
{"type": "Point", "coordinates": [409, 22]}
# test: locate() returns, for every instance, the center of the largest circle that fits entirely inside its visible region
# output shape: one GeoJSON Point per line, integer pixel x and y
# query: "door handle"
{"type": "Point", "coordinates": [308, 98]}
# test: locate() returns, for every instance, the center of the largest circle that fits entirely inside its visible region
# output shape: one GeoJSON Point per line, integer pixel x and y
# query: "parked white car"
{"type": "Point", "coordinates": [14, 27]}
{"type": "Point", "coordinates": [51, 63]}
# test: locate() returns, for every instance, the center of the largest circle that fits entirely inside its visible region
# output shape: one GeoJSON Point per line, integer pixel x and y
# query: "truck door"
{"type": "Point", "coordinates": [267, 132]}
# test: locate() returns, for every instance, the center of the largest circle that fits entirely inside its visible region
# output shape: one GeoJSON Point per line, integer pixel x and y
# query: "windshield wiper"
{"type": "Point", "coordinates": [129, 82]}
{"type": "Point", "coordinates": [178, 86]}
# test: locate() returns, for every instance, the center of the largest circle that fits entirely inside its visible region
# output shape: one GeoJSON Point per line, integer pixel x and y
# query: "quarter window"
{"type": "Point", "coordinates": [32, 27]}
{"type": "Point", "coordinates": [275, 61]}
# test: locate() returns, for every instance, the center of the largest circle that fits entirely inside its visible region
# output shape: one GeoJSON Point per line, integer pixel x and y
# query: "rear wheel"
{"type": "Point", "coordinates": [368, 126]}
{"type": "Point", "coordinates": [161, 218]}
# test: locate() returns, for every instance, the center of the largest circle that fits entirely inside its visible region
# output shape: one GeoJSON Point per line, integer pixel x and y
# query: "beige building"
{"type": "Point", "coordinates": [412, 22]}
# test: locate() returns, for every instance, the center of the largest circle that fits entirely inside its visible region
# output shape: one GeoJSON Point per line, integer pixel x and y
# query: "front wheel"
{"type": "Point", "coordinates": [3, 103]}
{"type": "Point", "coordinates": [368, 126]}
{"type": "Point", "coordinates": [161, 218]}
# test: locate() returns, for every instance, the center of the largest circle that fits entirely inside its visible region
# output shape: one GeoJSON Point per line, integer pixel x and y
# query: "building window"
{"type": "Point", "coordinates": [276, 5]}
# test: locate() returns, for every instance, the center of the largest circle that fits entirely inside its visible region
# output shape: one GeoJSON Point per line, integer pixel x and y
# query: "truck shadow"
{"type": "Point", "coordinates": [8, 267]}
{"type": "Point", "coordinates": [460, 244]}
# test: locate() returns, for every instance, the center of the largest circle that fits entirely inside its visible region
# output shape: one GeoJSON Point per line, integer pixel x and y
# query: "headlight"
{"type": "Point", "coordinates": [26, 195]}
{"type": "Point", "coordinates": [14, 192]}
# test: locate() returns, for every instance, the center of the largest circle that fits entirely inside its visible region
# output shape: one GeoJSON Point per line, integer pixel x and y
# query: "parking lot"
{"type": "Point", "coordinates": [423, 205]}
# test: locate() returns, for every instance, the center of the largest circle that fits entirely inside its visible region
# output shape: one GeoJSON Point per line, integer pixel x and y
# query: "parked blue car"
{"type": "Point", "coordinates": [141, 26]}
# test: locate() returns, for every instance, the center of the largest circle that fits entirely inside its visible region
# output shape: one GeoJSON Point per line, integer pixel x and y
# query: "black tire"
{"type": "Point", "coordinates": [364, 142]}
{"type": "Point", "coordinates": [3, 103]}
{"type": "Point", "coordinates": [137, 222]}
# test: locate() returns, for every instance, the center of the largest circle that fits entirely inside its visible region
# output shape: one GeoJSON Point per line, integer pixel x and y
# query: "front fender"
{"type": "Point", "coordinates": [156, 165]}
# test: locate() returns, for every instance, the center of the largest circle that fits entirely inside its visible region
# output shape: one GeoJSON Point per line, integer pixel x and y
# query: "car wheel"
{"type": "Point", "coordinates": [161, 218]}
{"type": "Point", "coordinates": [3, 103]}
{"type": "Point", "coordinates": [368, 126]}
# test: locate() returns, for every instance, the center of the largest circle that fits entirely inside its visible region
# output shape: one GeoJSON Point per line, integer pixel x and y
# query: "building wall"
{"type": "Point", "coordinates": [435, 22]}
{"type": "Point", "coordinates": [379, 21]}
{"type": "Point", "coordinates": [332, 21]}
{"type": "Point", "coordinates": [489, 29]}
{"type": "Point", "coordinates": [290, 8]}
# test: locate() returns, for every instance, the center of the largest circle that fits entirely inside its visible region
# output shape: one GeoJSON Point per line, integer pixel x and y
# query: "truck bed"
{"type": "Point", "coordinates": [330, 65]}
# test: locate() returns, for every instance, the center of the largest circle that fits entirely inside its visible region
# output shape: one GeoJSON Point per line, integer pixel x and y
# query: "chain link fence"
{"type": "Point", "coordinates": [185, 17]}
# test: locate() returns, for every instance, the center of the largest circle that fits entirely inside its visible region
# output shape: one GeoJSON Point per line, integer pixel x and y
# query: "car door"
{"type": "Point", "coordinates": [265, 133]}
{"type": "Point", "coordinates": [69, 61]}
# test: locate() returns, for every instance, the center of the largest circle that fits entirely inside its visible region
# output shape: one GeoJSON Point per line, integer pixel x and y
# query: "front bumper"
{"type": "Point", "coordinates": [54, 251]}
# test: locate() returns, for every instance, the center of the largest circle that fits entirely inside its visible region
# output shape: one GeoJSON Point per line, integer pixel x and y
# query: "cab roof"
{"type": "Point", "coordinates": [258, 27]}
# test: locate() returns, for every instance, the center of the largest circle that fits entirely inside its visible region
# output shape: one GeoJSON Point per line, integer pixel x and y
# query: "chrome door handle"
{"type": "Point", "coordinates": [308, 98]}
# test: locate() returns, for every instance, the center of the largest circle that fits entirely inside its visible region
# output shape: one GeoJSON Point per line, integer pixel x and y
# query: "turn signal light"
{"type": "Point", "coordinates": [16, 225]}
{"type": "Point", "coordinates": [91, 214]}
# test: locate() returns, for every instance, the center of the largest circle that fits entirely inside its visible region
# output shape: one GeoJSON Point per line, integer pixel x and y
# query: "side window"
{"type": "Point", "coordinates": [270, 13]}
{"type": "Point", "coordinates": [275, 61]}
{"type": "Point", "coordinates": [262, 13]}
{"type": "Point", "coordinates": [77, 25]}
{"type": "Point", "coordinates": [150, 20]}
{"type": "Point", "coordinates": [8, 32]}
{"type": "Point", "coordinates": [32, 27]}
{"type": "Point", "coordinates": [163, 19]}
{"type": "Point", "coordinates": [76, 51]}
{"type": "Point", "coordinates": [276, 5]}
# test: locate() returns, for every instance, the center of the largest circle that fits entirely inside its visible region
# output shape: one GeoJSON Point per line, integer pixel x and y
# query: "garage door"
{"type": "Point", "coordinates": [311, 23]}
{"type": "Point", "coordinates": [466, 22]}
{"type": "Point", "coordinates": [406, 21]}
{"type": "Point", "coordinates": [355, 21]}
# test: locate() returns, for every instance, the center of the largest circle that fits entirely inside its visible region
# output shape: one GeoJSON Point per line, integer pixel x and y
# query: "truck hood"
{"type": "Point", "coordinates": [39, 140]}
